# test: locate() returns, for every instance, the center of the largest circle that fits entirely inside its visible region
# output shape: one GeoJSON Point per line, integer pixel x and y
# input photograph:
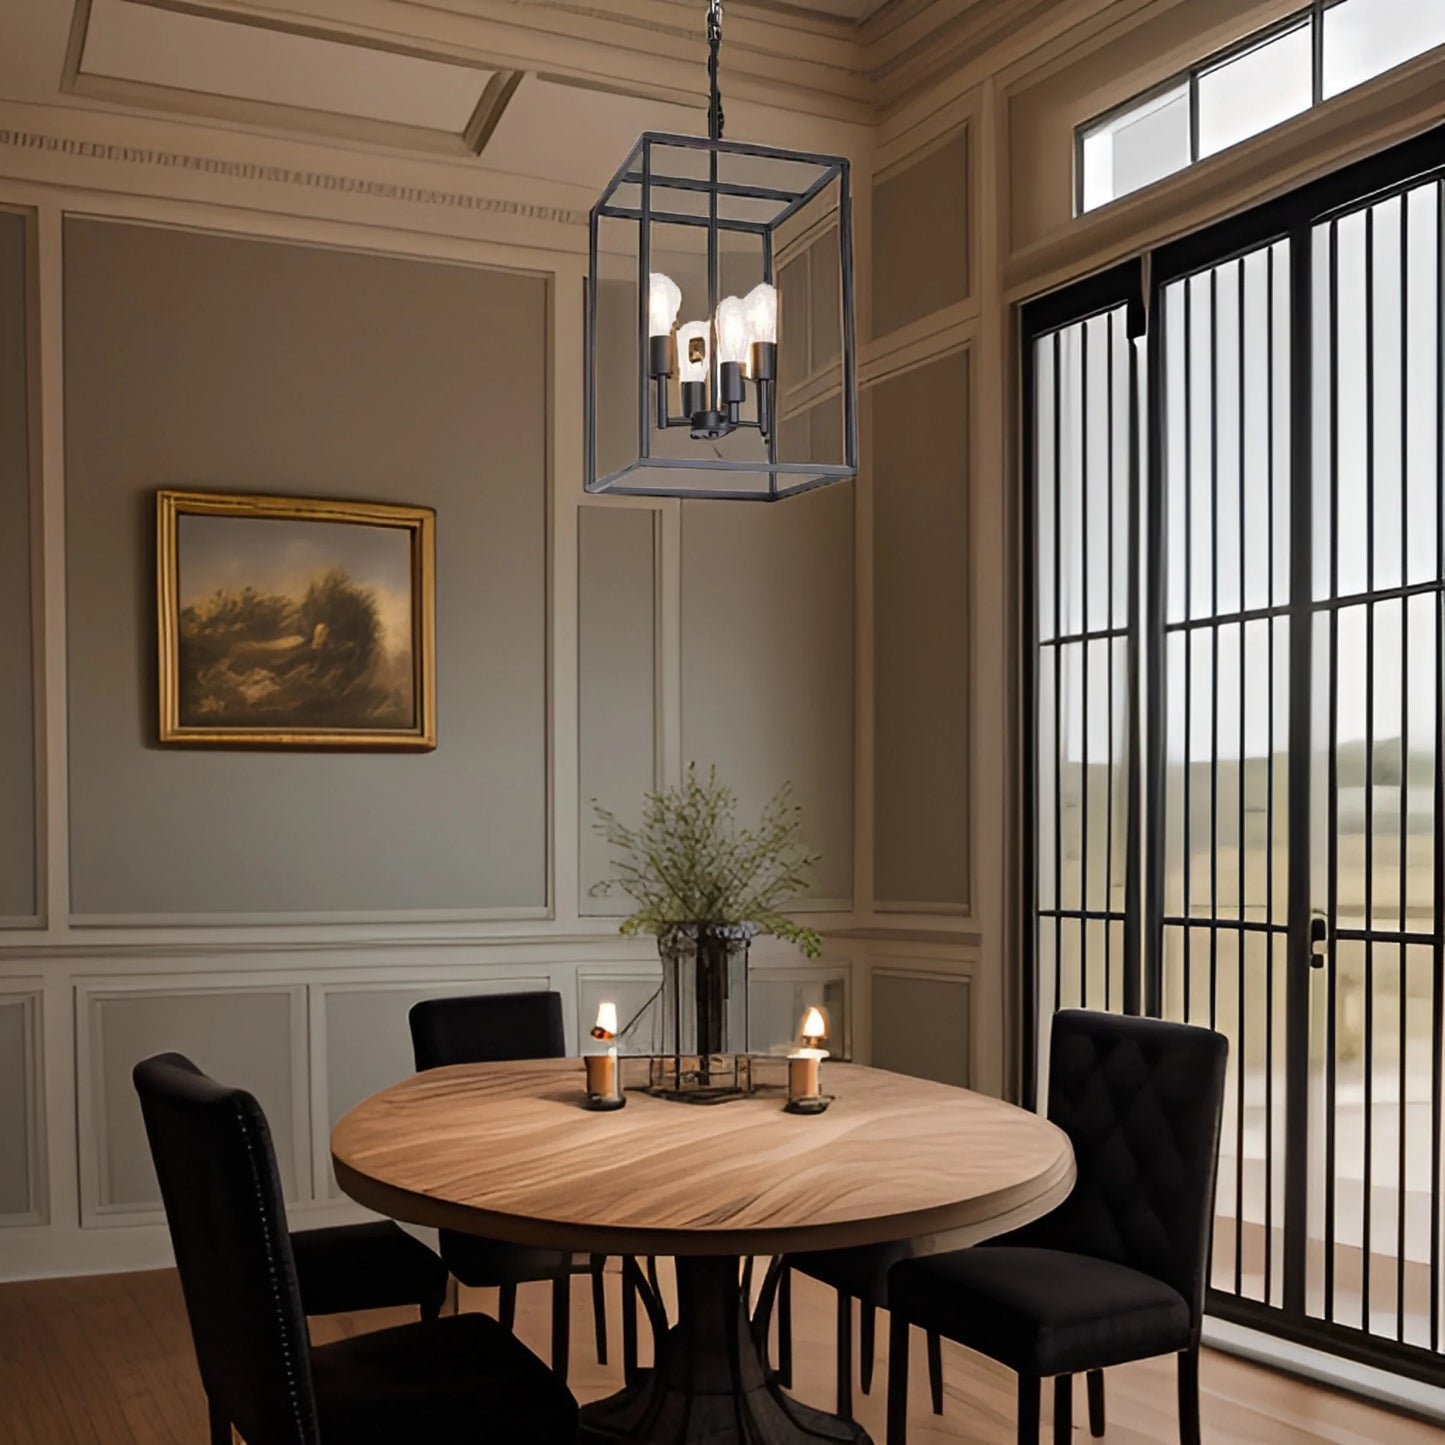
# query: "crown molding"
{"type": "Point", "coordinates": [97, 150]}
{"type": "Point", "coordinates": [914, 45]}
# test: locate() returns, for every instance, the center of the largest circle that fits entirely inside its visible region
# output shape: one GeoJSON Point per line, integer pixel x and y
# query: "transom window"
{"type": "Point", "coordinates": [1263, 80]}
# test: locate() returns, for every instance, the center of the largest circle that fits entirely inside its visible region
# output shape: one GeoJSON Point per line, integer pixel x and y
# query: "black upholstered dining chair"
{"type": "Point", "coordinates": [1118, 1271]}
{"type": "Point", "coordinates": [497, 1028]}
{"type": "Point", "coordinates": [371, 1266]}
{"type": "Point", "coordinates": [377, 1265]}
{"type": "Point", "coordinates": [457, 1379]}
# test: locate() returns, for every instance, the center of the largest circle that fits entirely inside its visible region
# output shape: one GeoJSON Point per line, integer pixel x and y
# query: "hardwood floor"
{"type": "Point", "coordinates": [107, 1361]}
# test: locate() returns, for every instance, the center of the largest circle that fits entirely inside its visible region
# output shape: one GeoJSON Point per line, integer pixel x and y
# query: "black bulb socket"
{"type": "Point", "coordinates": [661, 355]}
{"type": "Point", "coordinates": [731, 389]}
{"type": "Point", "coordinates": [694, 397]}
{"type": "Point", "coordinates": [763, 361]}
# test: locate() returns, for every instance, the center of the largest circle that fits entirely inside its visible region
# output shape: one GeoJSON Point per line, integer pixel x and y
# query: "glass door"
{"type": "Point", "coordinates": [1235, 794]}
{"type": "Point", "coordinates": [1378, 890]}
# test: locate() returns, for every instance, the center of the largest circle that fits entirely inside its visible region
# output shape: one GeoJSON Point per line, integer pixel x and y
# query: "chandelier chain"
{"type": "Point", "coordinates": [714, 43]}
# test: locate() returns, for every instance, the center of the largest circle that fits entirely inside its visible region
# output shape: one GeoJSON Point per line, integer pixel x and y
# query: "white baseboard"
{"type": "Point", "coordinates": [53, 1251]}
{"type": "Point", "coordinates": [1397, 1391]}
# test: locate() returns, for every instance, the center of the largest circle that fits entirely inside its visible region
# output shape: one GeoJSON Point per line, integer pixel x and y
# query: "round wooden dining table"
{"type": "Point", "coordinates": [509, 1152]}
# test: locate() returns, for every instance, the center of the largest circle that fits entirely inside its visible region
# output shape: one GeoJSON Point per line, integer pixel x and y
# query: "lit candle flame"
{"type": "Point", "coordinates": [606, 1025]}
{"type": "Point", "coordinates": [814, 1025]}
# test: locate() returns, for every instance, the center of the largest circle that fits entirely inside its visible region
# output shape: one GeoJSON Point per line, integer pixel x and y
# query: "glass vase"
{"type": "Point", "coordinates": [702, 1014]}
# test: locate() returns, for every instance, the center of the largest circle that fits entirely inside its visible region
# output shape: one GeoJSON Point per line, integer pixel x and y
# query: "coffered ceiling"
{"type": "Point", "coordinates": [553, 90]}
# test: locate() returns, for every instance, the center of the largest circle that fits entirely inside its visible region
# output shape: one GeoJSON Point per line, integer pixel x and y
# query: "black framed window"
{"type": "Point", "coordinates": [1235, 679]}
{"type": "Point", "coordinates": [1260, 81]}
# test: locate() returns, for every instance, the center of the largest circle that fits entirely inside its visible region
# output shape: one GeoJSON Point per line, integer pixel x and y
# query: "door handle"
{"type": "Point", "coordinates": [1319, 940]}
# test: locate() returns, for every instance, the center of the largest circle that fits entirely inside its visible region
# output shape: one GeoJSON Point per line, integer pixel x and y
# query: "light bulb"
{"type": "Point", "coordinates": [606, 1024]}
{"type": "Point", "coordinates": [664, 297]}
{"type": "Point", "coordinates": [814, 1025]}
{"type": "Point", "coordinates": [733, 337]}
{"type": "Point", "coordinates": [761, 308]}
{"type": "Point", "coordinates": [693, 348]}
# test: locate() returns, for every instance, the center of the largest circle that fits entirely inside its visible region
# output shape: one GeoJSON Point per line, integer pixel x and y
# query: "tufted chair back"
{"type": "Point", "coordinates": [217, 1170]}
{"type": "Point", "coordinates": [487, 1028]}
{"type": "Point", "coordinates": [1141, 1101]}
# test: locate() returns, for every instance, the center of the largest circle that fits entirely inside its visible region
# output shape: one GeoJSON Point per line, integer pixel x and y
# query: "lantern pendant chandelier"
{"type": "Point", "coordinates": [723, 407]}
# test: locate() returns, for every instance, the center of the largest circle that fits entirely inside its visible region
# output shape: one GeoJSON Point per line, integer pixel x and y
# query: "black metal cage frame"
{"type": "Point", "coordinates": [638, 171]}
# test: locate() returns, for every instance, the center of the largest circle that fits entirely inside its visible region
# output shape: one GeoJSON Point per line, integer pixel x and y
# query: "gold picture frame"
{"type": "Point", "coordinates": [319, 633]}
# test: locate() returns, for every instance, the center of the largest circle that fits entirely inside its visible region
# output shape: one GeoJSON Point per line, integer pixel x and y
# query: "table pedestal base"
{"type": "Point", "coordinates": [709, 1385]}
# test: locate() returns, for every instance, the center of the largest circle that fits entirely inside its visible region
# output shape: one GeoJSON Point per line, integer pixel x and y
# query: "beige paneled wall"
{"type": "Point", "coordinates": [617, 645]}
{"type": "Point", "coordinates": [767, 661]}
{"type": "Point", "coordinates": [921, 568]}
{"type": "Point", "coordinates": [18, 900]}
{"type": "Point", "coordinates": [243, 365]}
{"type": "Point", "coordinates": [922, 1020]}
{"type": "Point", "coordinates": [921, 260]}
{"type": "Point", "coordinates": [936, 1017]}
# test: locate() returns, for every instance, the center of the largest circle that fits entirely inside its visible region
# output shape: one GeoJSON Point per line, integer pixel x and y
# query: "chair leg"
{"type": "Point", "coordinates": [507, 1307]}
{"type": "Point", "coordinates": [845, 1356]}
{"type": "Point", "coordinates": [1063, 1409]}
{"type": "Point", "coordinates": [1095, 1380]}
{"type": "Point", "coordinates": [599, 1306]}
{"type": "Point", "coordinates": [220, 1426]}
{"type": "Point", "coordinates": [1189, 1396]}
{"type": "Point", "coordinates": [561, 1322]}
{"type": "Point", "coordinates": [935, 1371]}
{"type": "Point", "coordinates": [629, 1329]}
{"type": "Point", "coordinates": [897, 1379]}
{"type": "Point", "coordinates": [1028, 1410]}
{"type": "Point", "coordinates": [867, 1335]}
{"type": "Point", "coordinates": [785, 1329]}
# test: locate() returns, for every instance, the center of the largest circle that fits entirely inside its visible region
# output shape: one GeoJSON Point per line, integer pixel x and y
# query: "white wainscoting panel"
{"type": "Point", "coordinates": [630, 986]}
{"type": "Point", "coordinates": [780, 994]}
{"type": "Point", "coordinates": [22, 1131]}
{"type": "Point", "coordinates": [251, 1035]}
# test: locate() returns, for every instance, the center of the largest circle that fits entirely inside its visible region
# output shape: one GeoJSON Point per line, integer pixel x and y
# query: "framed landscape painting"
{"type": "Point", "coordinates": [286, 622]}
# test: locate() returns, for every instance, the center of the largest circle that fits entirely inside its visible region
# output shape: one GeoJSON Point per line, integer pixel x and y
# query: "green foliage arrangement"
{"type": "Point", "coordinates": [689, 862]}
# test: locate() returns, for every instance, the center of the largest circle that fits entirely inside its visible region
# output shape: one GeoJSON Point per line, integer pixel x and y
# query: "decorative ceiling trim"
{"type": "Point", "coordinates": [808, 64]}
{"type": "Point", "coordinates": [288, 120]}
{"type": "Point", "coordinates": [270, 173]}
{"type": "Point", "coordinates": [490, 107]}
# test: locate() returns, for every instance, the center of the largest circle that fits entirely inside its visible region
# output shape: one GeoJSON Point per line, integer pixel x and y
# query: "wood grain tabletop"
{"type": "Point", "coordinates": [508, 1151]}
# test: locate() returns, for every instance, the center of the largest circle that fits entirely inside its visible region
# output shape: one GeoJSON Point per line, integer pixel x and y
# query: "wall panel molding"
{"type": "Point", "coordinates": [619, 682]}
{"type": "Point", "coordinates": [923, 1018]}
{"type": "Point", "coordinates": [921, 269]}
{"type": "Point", "coordinates": [458, 834]}
{"type": "Point", "coordinates": [114, 1158]}
{"type": "Point", "coordinates": [922, 569]}
{"type": "Point", "coordinates": [23, 1154]}
{"type": "Point", "coordinates": [20, 874]}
